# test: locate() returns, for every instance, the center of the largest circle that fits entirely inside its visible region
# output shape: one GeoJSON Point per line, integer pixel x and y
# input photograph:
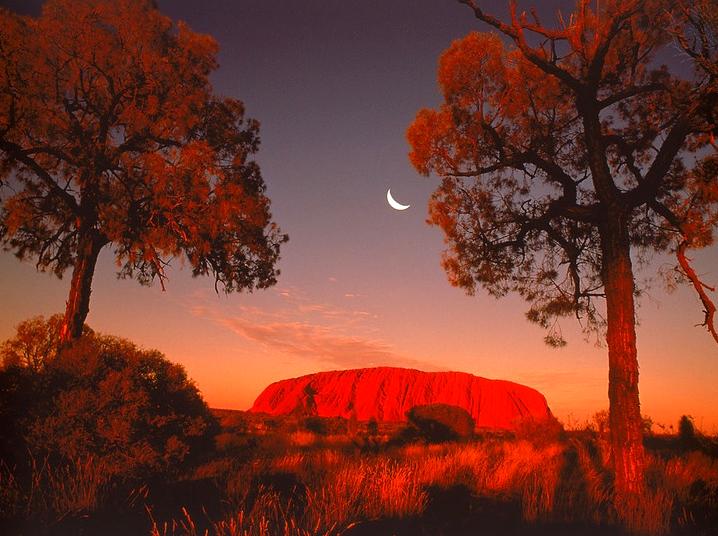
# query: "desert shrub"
{"type": "Point", "coordinates": [232, 420]}
{"type": "Point", "coordinates": [130, 409]}
{"type": "Point", "coordinates": [540, 431]}
{"type": "Point", "coordinates": [601, 424]}
{"type": "Point", "coordinates": [236, 439]}
{"type": "Point", "coordinates": [686, 430]}
{"type": "Point", "coordinates": [238, 445]}
{"type": "Point", "coordinates": [441, 422]}
{"type": "Point", "coordinates": [19, 391]}
{"type": "Point", "coordinates": [316, 425]}
{"type": "Point", "coordinates": [325, 426]}
{"type": "Point", "coordinates": [35, 343]}
{"type": "Point", "coordinates": [372, 427]}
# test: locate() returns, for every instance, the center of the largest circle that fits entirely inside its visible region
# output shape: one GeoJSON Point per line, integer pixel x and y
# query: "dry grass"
{"type": "Point", "coordinates": [562, 481]}
{"type": "Point", "coordinates": [323, 490]}
{"type": "Point", "coordinates": [54, 491]}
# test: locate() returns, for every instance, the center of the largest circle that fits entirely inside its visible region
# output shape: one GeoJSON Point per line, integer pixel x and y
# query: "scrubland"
{"type": "Point", "coordinates": [328, 477]}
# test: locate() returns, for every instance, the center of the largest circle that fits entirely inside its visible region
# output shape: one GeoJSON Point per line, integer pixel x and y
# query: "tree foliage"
{"type": "Point", "coordinates": [566, 155]}
{"type": "Point", "coordinates": [34, 344]}
{"type": "Point", "coordinates": [111, 134]}
{"type": "Point", "coordinates": [556, 133]}
{"type": "Point", "coordinates": [104, 398]}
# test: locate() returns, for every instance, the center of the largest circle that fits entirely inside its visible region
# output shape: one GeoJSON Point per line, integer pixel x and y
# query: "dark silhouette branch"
{"type": "Point", "coordinates": [629, 92]}
{"type": "Point", "coordinates": [596, 66]}
{"type": "Point", "coordinates": [656, 174]}
{"type": "Point", "coordinates": [16, 153]}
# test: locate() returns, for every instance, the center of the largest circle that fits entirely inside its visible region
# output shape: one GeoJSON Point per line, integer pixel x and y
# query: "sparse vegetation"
{"type": "Point", "coordinates": [82, 429]}
{"type": "Point", "coordinates": [108, 438]}
{"type": "Point", "coordinates": [497, 483]}
{"type": "Point", "coordinates": [441, 422]}
{"type": "Point", "coordinates": [268, 476]}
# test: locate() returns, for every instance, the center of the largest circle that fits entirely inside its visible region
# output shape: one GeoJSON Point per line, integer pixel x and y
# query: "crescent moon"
{"type": "Point", "coordinates": [393, 203]}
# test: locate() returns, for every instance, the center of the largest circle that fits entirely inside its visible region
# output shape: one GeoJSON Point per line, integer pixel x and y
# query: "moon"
{"type": "Point", "coordinates": [393, 203]}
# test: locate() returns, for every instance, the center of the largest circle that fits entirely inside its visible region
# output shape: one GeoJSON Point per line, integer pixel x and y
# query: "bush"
{"type": "Point", "coordinates": [687, 436]}
{"type": "Point", "coordinates": [686, 429]}
{"type": "Point", "coordinates": [130, 409]}
{"type": "Point", "coordinates": [441, 422]}
{"type": "Point", "coordinates": [34, 344]}
{"type": "Point", "coordinates": [540, 432]}
{"type": "Point", "coordinates": [325, 426]}
{"type": "Point", "coordinates": [601, 424]}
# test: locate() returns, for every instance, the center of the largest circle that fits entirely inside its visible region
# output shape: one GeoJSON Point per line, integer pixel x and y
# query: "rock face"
{"type": "Point", "coordinates": [387, 393]}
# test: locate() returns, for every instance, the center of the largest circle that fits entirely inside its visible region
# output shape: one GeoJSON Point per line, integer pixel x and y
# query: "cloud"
{"type": "Point", "coordinates": [312, 341]}
{"type": "Point", "coordinates": [293, 324]}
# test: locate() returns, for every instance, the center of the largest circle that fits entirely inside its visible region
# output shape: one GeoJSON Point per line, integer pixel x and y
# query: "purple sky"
{"type": "Point", "coordinates": [335, 85]}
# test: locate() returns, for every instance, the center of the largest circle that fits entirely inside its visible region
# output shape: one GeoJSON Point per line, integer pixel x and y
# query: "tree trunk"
{"type": "Point", "coordinates": [624, 407]}
{"type": "Point", "coordinates": [78, 303]}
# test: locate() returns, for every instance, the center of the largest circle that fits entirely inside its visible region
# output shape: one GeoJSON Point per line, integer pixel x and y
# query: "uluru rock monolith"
{"type": "Point", "coordinates": [387, 393]}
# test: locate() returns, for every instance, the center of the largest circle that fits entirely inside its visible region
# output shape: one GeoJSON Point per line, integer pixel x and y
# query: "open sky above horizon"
{"type": "Point", "coordinates": [335, 86]}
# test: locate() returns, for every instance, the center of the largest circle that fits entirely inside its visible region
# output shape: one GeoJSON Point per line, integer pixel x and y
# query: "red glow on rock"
{"type": "Point", "coordinates": [387, 393]}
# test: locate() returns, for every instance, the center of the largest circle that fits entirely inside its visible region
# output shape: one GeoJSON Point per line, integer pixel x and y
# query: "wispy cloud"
{"type": "Point", "coordinates": [295, 325]}
{"type": "Point", "coordinates": [312, 341]}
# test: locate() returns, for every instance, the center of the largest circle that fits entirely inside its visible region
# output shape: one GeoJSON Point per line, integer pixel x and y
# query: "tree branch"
{"type": "Point", "coordinates": [15, 152]}
{"type": "Point", "coordinates": [709, 308]}
{"type": "Point", "coordinates": [599, 58]}
{"type": "Point", "coordinates": [628, 93]}
{"type": "Point", "coordinates": [655, 175]}
{"type": "Point", "coordinates": [515, 32]}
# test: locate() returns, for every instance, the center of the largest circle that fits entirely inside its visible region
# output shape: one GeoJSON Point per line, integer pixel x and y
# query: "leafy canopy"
{"type": "Point", "coordinates": [538, 141]}
{"type": "Point", "coordinates": [109, 128]}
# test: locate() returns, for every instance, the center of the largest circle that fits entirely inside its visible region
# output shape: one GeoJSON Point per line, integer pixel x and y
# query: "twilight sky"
{"type": "Point", "coordinates": [335, 85]}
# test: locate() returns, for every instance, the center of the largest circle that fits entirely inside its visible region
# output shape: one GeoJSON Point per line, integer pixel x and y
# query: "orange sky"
{"type": "Point", "coordinates": [233, 346]}
{"type": "Point", "coordinates": [361, 284]}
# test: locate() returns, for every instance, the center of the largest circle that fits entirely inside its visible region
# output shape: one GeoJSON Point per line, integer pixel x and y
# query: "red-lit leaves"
{"type": "Point", "coordinates": [110, 134]}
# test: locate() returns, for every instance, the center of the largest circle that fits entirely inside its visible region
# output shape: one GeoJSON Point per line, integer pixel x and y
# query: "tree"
{"type": "Point", "coordinates": [34, 345]}
{"type": "Point", "coordinates": [562, 154]}
{"type": "Point", "coordinates": [110, 134]}
{"type": "Point", "coordinates": [130, 409]}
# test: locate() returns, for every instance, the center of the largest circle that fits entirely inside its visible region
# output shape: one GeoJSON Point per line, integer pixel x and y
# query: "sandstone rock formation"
{"type": "Point", "coordinates": [387, 393]}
